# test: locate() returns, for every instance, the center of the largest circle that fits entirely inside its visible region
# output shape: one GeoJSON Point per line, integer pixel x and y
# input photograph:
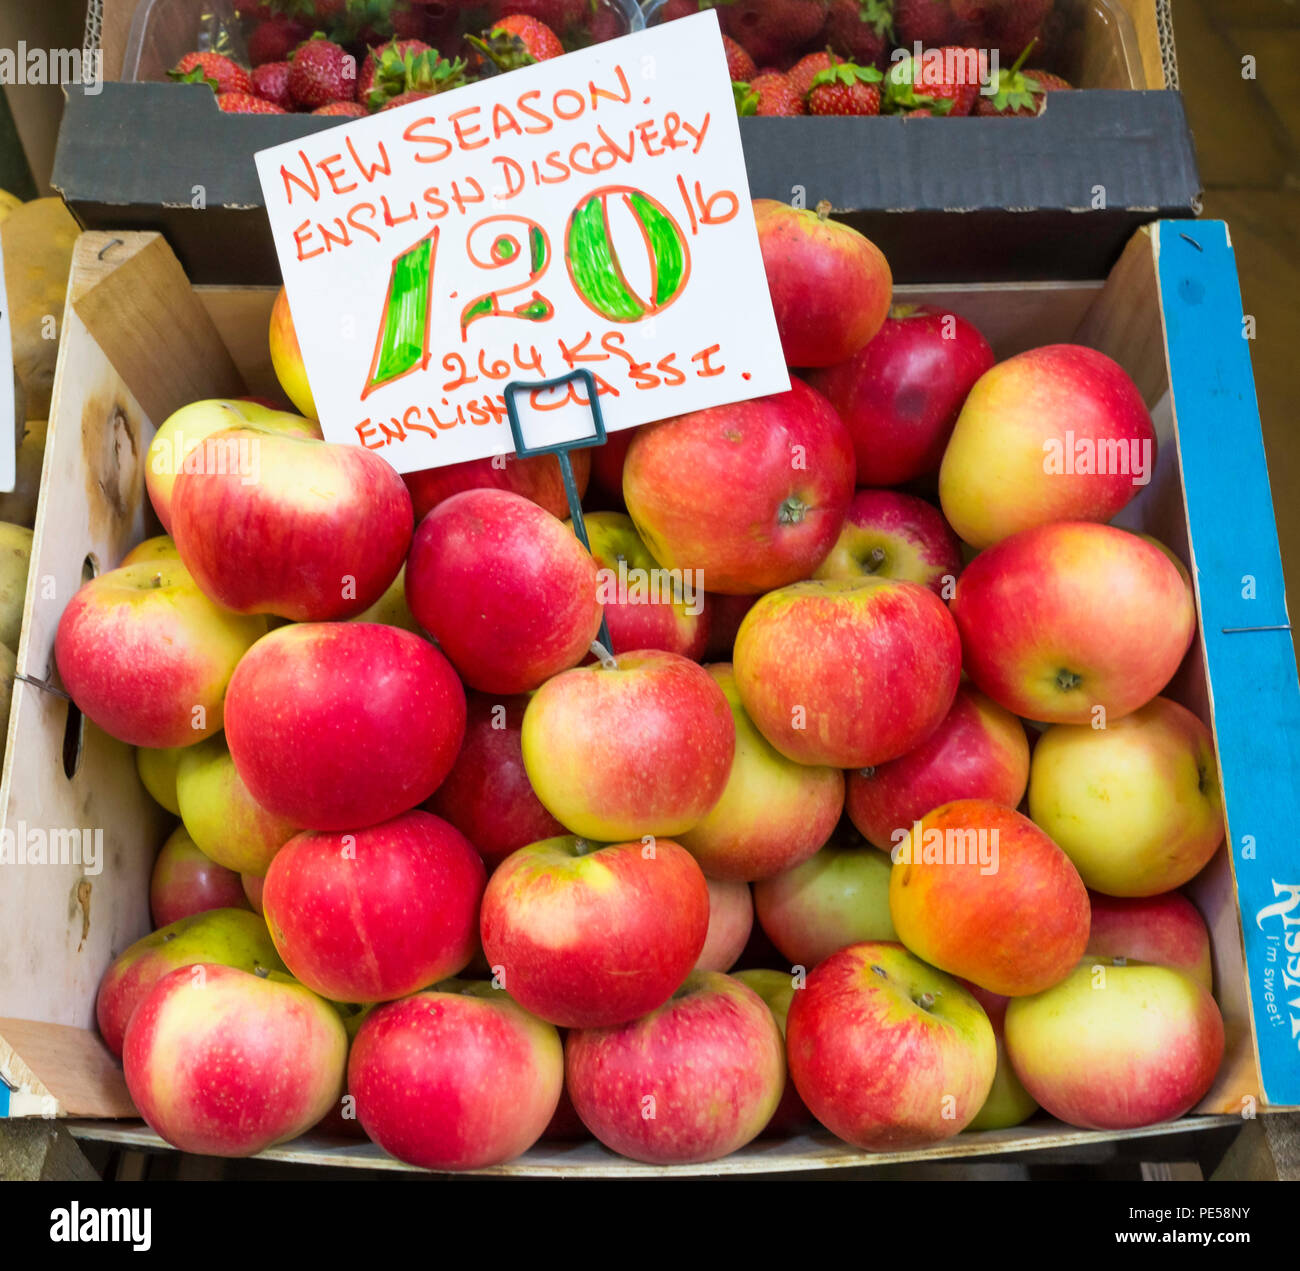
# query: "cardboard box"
{"type": "Point", "coordinates": [933, 193]}
{"type": "Point", "coordinates": [139, 342]}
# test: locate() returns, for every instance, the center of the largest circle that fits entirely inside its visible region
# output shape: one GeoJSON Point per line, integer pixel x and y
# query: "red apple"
{"type": "Point", "coordinates": [486, 795]}
{"type": "Point", "coordinates": [607, 463]}
{"type": "Point", "coordinates": [1135, 805]}
{"type": "Point", "coordinates": [642, 746]}
{"type": "Point", "coordinates": [892, 535]}
{"type": "Point", "coordinates": [147, 656]}
{"type": "Point", "coordinates": [773, 812]}
{"type": "Point", "coordinates": [777, 990]}
{"type": "Point", "coordinates": [731, 917]}
{"type": "Point", "coordinates": [1059, 433]}
{"type": "Point", "coordinates": [837, 898]}
{"type": "Point", "coordinates": [590, 937]}
{"type": "Point", "coordinates": [186, 882]}
{"type": "Point", "coordinates": [1008, 1103]}
{"type": "Point", "coordinates": [900, 394]}
{"type": "Point", "coordinates": [286, 357]}
{"type": "Point", "coordinates": [980, 751]}
{"type": "Point", "coordinates": [221, 1062]}
{"type": "Point", "coordinates": [336, 726]}
{"type": "Point", "coordinates": [694, 1080]}
{"type": "Point", "coordinates": [566, 1125]}
{"type": "Point", "coordinates": [1061, 620]}
{"type": "Point", "coordinates": [753, 494]}
{"type": "Point", "coordinates": [536, 477]}
{"type": "Point", "coordinates": [848, 672]}
{"type": "Point", "coordinates": [379, 913]}
{"type": "Point", "coordinates": [272, 523]}
{"type": "Point", "coordinates": [646, 606]}
{"type": "Point", "coordinates": [1167, 930]}
{"type": "Point", "coordinates": [505, 588]}
{"type": "Point", "coordinates": [232, 936]}
{"type": "Point", "coordinates": [726, 613]}
{"type": "Point", "coordinates": [830, 285]}
{"type": "Point", "coordinates": [457, 1077]}
{"type": "Point", "coordinates": [889, 1053]}
{"type": "Point", "coordinates": [980, 891]}
{"type": "Point", "coordinates": [1116, 1047]}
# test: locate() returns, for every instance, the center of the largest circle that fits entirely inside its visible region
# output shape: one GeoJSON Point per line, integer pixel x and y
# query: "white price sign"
{"type": "Point", "coordinates": [589, 212]}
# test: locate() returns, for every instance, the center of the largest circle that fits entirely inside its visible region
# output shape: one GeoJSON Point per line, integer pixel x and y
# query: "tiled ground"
{"type": "Point", "coordinates": [1248, 142]}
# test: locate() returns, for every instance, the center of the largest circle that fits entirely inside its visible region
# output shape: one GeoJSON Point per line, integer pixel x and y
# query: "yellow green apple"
{"type": "Point", "coordinates": [773, 812]}
{"type": "Point", "coordinates": [1135, 805]}
{"type": "Point", "coordinates": [1114, 1047]}
{"type": "Point", "coordinates": [222, 817]}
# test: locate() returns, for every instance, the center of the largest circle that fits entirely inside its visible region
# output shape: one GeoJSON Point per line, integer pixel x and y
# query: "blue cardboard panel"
{"type": "Point", "coordinates": [1254, 693]}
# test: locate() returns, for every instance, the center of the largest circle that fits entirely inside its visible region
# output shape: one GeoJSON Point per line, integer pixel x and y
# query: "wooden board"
{"type": "Point", "coordinates": [805, 1152]}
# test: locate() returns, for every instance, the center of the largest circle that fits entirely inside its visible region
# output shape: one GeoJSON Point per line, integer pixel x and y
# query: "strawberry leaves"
{"type": "Point", "coordinates": [847, 74]}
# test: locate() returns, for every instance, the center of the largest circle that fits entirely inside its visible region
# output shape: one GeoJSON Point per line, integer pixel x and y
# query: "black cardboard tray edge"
{"type": "Point", "coordinates": [986, 199]}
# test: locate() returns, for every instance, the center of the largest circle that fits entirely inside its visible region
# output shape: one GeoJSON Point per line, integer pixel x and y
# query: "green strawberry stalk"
{"type": "Point", "coordinates": [399, 71]}
{"type": "Point", "coordinates": [1014, 90]}
{"type": "Point", "coordinates": [901, 94]}
{"type": "Point", "coordinates": [746, 98]}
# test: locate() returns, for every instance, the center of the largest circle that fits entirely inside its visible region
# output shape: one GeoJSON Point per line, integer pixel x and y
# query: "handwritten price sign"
{"type": "Point", "coordinates": [586, 213]}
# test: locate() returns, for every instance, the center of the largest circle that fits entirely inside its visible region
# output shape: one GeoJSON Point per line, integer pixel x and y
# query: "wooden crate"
{"type": "Point", "coordinates": [139, 342]}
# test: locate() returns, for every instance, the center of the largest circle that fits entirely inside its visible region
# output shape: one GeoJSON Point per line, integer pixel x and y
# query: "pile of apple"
{"type": "Point", "coordinates": [399, 757]}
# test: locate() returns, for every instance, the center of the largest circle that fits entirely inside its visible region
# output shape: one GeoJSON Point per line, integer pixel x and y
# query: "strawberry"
{"type": "Point", "coordinates": [740, 66]}
{"type": "Point", "coordinates": [247, 104]}
{"type": "Point", "coordinates": [678, 9]}
{"type": "Point", "coordinates": [271, 84]}
{"type": "Point", "coordinates": [321, 72]}
{"type": "Point", "coordinates": [404, 99]}
{"type": "Point", "coordinates": [1006, 25]}
{"type": "Point", "coordinates": [384, 68]}
{"type": "Point", "coordinates": [220, 73]}
{"type": "Point", "coordinates": [927, 21]}
{"type": "Point", "coordinates": [517, 41]}
{"type": "Point", "coordinates": [860, 30]}
{"type": "Point", "coordinates": [771, 29]}
{"type": "Point", "coordinates": [567, 18]}
{"type": "Point", "coordinates": [946, 81]}
{"type": "Point", "coordinates": [274, 39]}
{"type": "Point", "coordinates": [845, 90]}
{"type": "Point", "coordinates": [768, 94]}
{"type": "Point", "coordinates": [1020, 92]}
{"type": "Point", "coordinates": [801, 74]}
{"type": "Point", "coordinates": [350, 110]}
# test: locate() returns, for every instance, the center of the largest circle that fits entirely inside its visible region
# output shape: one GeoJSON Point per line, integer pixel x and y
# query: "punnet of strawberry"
{"type": "Point", "coordinates": [936, 58]}
{"type": "Point", "coordinates": [348, 58]}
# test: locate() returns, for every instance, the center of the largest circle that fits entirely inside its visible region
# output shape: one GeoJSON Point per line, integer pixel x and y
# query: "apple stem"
{"type": "Point", "coordinates": [1067, 681]}
{"type": "Point", "coordinates": [875, 558]}
{"type": "Point", "coordinates": [792, 511]}
{"type": "Point", "coordinates": [823, 209]}
{"type": "Point", "coordinates": [604, 656]}
{"type": "Point", "coordinates": [925, 1001]}
{"type": "Point", "coordinates": [260, 971]}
